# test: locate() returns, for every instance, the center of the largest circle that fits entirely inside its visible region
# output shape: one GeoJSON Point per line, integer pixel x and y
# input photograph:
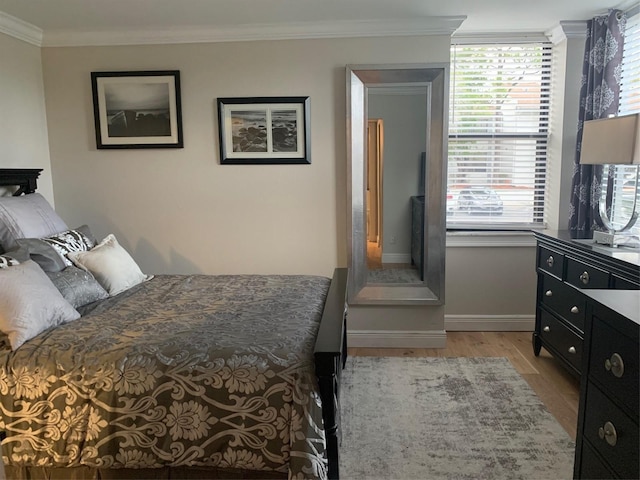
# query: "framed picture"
{"type": "Point", "coordinates": [137, 109]}
{"type": "Point", "coordinates": [264, 130]}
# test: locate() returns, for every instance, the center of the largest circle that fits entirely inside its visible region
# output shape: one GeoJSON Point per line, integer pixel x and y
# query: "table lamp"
{"type": "Point", "coordinates": [612, 141]}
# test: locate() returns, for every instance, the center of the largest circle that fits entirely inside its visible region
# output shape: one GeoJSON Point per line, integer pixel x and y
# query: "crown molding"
{"type": "Point", "coordinates": [567, 29]}
{"type": "Point", "coordinates": [304, 30]}
{"type": "Point", "coordinates": [479, 38]}
{"type": "Point", "coordinates": [20, 29]}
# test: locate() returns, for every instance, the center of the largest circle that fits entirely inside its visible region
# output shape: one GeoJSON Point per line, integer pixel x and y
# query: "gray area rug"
{"type": "Point", "coordinates": [447, 418]}
{"type": "Point", "coordinates": [393, 275]}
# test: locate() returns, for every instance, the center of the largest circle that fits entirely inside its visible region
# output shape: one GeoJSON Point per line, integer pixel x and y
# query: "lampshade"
{"type": "Point", "coordinates": [613, 140]}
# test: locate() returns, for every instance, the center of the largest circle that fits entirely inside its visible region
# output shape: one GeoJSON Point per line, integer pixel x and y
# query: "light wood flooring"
{"type": "Point", "coordinates": [557, 388]}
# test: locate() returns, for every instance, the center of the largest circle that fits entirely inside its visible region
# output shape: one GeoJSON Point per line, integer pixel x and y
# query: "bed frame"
{"type": "Point", "coordinates": [330, 350]}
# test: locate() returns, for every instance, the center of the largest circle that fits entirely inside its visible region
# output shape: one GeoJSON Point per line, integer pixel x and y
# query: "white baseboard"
{"type": "Point", "coordinates": [396, 258]}
{"type": "Point", "coordinates": [489, 323]}
{"type": "Point", "coordinates": [397, 339]}
{"type": "Point", "coordinates": [438, 338]}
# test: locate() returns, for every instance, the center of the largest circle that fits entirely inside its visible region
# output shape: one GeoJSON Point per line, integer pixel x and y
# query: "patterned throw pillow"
{"type": "Point", "coordinates": [7, 261]}
{"type": "Point", "coordinates": [52, 259]}
{"type": "Point", "coordinates": [70, 241]}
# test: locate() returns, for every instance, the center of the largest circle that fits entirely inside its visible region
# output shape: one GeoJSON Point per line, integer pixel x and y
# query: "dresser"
{"type": "Point", "coordinates": [566, 270]}
{"type": "Point", "coordinates": [417, 233]}
{"type": "Point", "coordinates": [607, 443]}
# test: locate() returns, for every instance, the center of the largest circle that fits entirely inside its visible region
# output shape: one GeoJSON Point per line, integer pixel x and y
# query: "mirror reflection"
{"type": "Point", "coordinates": [396, 139]}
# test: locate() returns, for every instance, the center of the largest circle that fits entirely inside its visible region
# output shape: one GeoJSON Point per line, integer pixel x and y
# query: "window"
{"type": "Point", "coordinates": [624, 185]}
{"type": "Point", "coordinates": [498, 134]}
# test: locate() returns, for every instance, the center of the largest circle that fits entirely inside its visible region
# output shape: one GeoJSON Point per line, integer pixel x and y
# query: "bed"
{"type": "Point", "coordinates": [180, 376]}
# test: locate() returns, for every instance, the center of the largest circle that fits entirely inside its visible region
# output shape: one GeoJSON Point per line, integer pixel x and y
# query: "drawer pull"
{"type": "Point", "coordinates": [572, 349]}
{"type": "Point", "coordinates": [608, 433]}
{"type": "Point", "coordinates": [584, 277]}
{"type": "Point", "coordinates": [550, 261]}
{"type": "Point", "coordinates": [575, 309]}
{"type": "Point", "coordinates": [614, 365]}
{"type": "Point", "coordinates": [549, 293]}
{"type": "Point", "coordinates": [546, 329]}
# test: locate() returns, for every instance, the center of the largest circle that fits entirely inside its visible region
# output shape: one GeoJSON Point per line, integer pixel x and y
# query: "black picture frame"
{"type": "Point", "coordinates": [264, 130]}
{"type": "Point", "coordinates": [137, 109]}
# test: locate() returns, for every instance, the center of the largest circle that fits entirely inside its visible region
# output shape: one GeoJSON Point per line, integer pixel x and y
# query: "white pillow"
{"type": "Point", "coordinates": [111, 265]}
{"type": "Point", "coordinates": [30, 303]}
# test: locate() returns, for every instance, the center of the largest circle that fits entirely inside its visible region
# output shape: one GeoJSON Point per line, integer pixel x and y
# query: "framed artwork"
{"type": "Point", "coordinates": [264, 130]}
{"type": "Point", "coordinates": [137, 109]}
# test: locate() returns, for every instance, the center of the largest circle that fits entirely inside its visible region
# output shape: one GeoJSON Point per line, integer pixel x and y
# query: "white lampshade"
{"type": "Point", "coordinates": [613, 140]}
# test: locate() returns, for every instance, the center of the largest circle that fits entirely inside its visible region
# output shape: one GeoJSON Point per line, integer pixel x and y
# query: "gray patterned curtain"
{"type": "Point", "coordinates": [599, 95]}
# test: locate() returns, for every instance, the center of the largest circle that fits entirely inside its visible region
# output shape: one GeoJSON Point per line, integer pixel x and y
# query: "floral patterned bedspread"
{"type": "Point", "coordinates": [179, 371]}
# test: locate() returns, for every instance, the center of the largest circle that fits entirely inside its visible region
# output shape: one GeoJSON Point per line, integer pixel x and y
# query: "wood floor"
{"type": "Point", "coordinates": [557, 389]}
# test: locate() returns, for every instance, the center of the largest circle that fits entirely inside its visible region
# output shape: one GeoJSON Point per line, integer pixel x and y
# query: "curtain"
{"type": "Point", "coordinates": [599, 94]}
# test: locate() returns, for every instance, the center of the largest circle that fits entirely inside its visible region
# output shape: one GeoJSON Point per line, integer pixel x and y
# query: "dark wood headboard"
{"type": "Point", "coordinates": [24, 178]}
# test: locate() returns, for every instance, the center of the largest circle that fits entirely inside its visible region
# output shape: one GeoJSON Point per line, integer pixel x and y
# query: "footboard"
{"type": "Point", "coordinates": [330, 357]}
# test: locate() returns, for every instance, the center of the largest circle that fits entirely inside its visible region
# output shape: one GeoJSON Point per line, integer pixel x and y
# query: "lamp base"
{"type": "Point", "coordinates": [612, 239]}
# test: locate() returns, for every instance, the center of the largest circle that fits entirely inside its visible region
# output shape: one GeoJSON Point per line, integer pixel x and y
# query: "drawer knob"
{"type": "Point", "coordinates": [575, 309]}
{"type": "Point", "coordinates": [572, 349]}
{"type": "Point", "coordinates": [584, 277]}
{"type": "Point", "coordinates": [546, 329]}
{"type": "Point", "coordinates": [608, 433]}
{"type": "Point", "coordinates": [614, 365]}
{"type": "Point", "coordinates": [550, 261]}
{"type": "Point", "coordinates": [549, 293]}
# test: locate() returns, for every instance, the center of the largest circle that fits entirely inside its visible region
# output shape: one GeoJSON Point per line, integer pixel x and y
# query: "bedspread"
{"type": "Point", "coordinates": [179, 371]}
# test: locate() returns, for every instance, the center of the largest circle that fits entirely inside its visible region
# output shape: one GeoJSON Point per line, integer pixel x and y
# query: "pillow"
{"type": "Point", "coordinates": [27, 216]}
{"type": "Point", "coordinates": [77, 286]}
{"type": "Point", "coordinates": [111, 265]}
{"type": "Point", "coordinates": [7, 261]}
{"type": "Point", "coordinates": [51, 252]}
{"type": "Point", "coordinates": [30, 304]}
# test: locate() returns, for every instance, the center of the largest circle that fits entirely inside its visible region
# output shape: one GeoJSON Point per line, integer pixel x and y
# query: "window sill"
{"type": "Point", "coordinates": [478, 238]}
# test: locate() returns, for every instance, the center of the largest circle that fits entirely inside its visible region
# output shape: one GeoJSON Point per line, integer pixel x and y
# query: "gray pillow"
{"type": "Point", "coordinates": [27, 216]}
{"type": "Point", "coordinates": [50, 253]}
{"type": "Point", "coordinates": [30, 304]}
{"type": "Point", "coordinates": [77, 286]}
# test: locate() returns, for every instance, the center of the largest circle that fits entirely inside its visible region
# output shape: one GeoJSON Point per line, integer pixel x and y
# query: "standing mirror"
{"type": "Point", "coordinates": [397, 144]}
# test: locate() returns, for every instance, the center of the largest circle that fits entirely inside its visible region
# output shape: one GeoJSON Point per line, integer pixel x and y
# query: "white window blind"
{"type": "Point", "coordinates": [624, 186]}
{"type": "Point", "coordinates": [498, 135]}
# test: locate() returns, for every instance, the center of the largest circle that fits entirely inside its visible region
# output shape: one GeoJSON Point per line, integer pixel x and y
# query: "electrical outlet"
{"type": "Point", "coordinates": [392, 240]}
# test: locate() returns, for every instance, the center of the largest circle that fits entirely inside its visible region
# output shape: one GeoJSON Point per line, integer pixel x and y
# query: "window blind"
{"type": "Point", "coordinates": [498, 135]}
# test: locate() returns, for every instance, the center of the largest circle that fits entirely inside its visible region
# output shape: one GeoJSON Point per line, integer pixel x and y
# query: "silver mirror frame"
{"type": "Point", "coordinates": [359, 79]}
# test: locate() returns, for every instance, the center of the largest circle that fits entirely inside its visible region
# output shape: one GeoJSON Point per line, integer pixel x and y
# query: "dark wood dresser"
{"type": "Point", "coordinates": [608, 427]}
{"type": "Point", "coordinates": [566, 269]}
{"type": "Point", "coordinates": [417, 233]}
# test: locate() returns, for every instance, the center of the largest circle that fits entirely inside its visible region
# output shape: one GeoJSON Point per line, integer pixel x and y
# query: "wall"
{"type": "Point", "coordinates": [23, 127]}
{"type": "Point", "coordinates": [179, 210]}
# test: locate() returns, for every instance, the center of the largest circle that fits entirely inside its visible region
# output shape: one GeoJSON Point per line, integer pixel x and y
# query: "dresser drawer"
{"type": "Point", "coordinates": [614, 364]}
{"type": "Point", "coordinates": [619, 446]}
{"type": "Point", "coordinates": [557, 335]}
{"type": "Point", "coordinates": [564, 300]}
{"type": "Point", "coordinates": [582, 275]}
{"type": "Point", "coordinates": [591, 466]}
{"type": "Point", "coordinates": [623, 284]}
{"type": "Point", "coordinates": [550, 261]}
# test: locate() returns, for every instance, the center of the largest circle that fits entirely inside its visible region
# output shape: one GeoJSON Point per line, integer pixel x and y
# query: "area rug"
{"type": "Point", "coordinates": [447, 418]}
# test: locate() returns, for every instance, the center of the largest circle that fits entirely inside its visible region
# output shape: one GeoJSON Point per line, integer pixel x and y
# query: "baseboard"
{"type": "Point", "coordinates": [397, 339]}
{"type": "Point", "coordinates": [489, 323]}
{"type": "Point", "coordinates": [396, 258]}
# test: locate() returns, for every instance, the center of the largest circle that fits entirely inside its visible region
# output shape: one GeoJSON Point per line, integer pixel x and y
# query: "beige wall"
{"type": "Point", "coordinates": [23, 128]}
{"type": "Point", "coordinates": [179, 210]}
